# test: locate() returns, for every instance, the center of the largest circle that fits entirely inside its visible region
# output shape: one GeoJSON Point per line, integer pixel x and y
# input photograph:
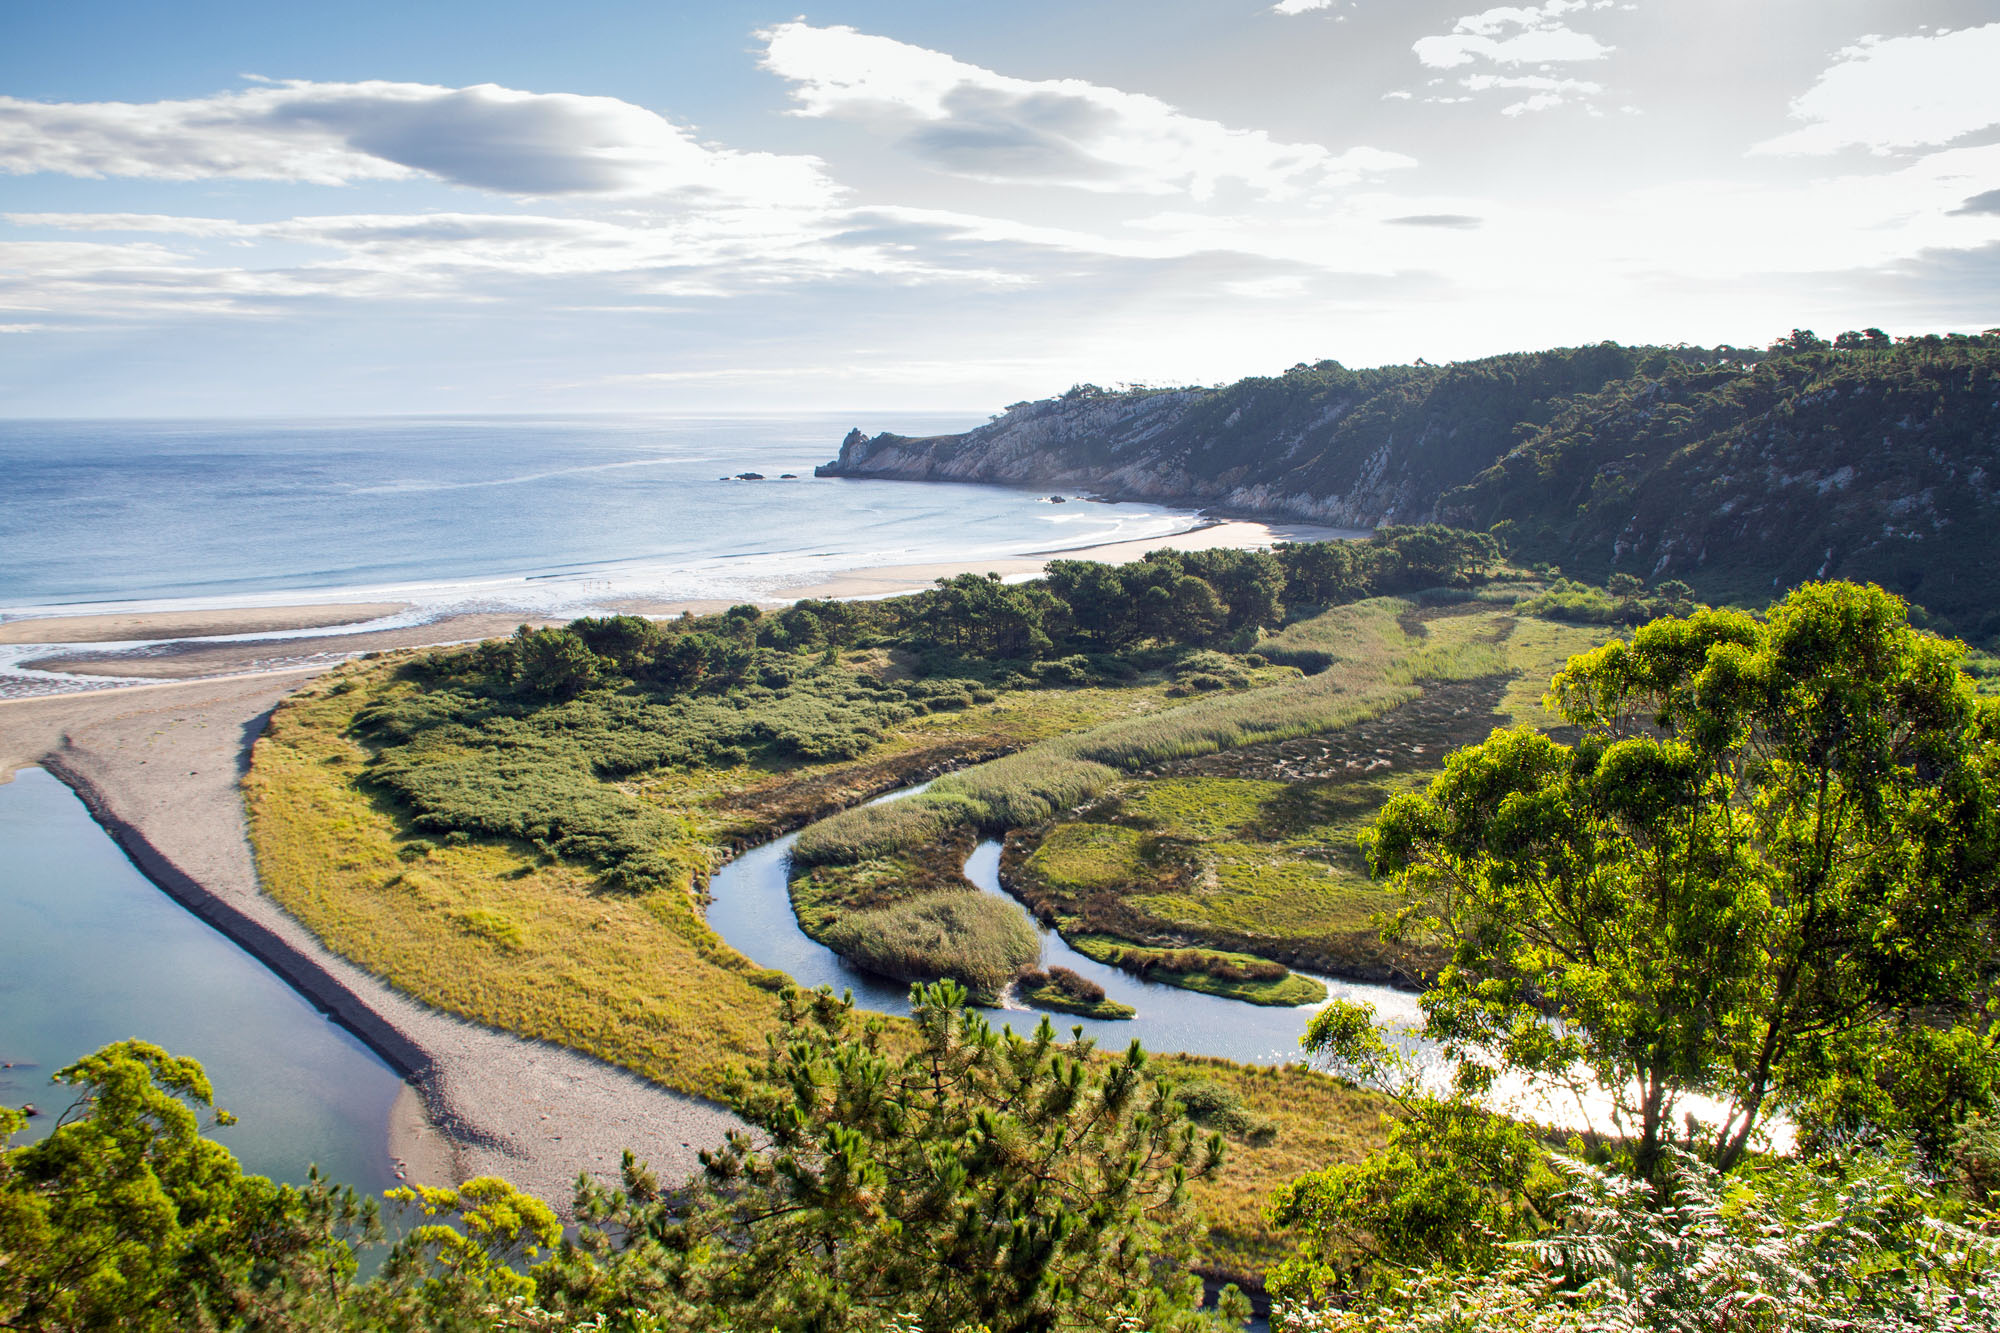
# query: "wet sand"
{"type": "Point", "coordinates": [159, 767]}
{"type": "Point", "coordinates": [121, 627]}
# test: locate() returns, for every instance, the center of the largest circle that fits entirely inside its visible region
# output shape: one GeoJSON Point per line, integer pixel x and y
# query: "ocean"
{"type": "Point", "coordinates": [506, 513]}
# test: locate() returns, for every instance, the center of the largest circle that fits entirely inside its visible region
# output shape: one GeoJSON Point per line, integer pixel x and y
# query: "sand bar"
{"type": "Point", "coordinates": [159, 766]}
{"type": "Point", "coordinates": [190, 661]}
{"type": "Point", "coordinates": [120, 626]}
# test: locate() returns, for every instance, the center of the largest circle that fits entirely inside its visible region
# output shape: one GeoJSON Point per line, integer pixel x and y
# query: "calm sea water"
{"type": "Point", "coordinates": [91, 952]}
{"type": "Point", "coordinates": [503, 512]}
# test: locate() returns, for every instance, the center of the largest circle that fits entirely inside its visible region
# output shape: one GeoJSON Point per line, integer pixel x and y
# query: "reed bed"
{"type": "Point", "coordinates": [979, 940]}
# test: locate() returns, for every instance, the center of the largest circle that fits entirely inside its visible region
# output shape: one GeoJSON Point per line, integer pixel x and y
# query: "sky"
{"type": "Point", "coordinates": [214, 209]}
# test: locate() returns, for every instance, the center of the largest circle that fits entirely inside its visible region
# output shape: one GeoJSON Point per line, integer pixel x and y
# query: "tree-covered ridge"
{"type": "Point", "coordinates": [1860, 459]}
{"type": "Point", "coordinates": [1739, 472]}
{"type": "Point", "coordinates": [1351, 447]}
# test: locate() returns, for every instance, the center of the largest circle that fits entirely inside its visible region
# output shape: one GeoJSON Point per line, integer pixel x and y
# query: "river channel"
{"type": "Point", "coordinates": [92, 952]}
{"type": "Point", "coordinates": [752, 909]}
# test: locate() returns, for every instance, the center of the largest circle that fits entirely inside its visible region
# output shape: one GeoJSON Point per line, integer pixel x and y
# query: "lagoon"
{"type": "Point", "coordinates": [92, 952]}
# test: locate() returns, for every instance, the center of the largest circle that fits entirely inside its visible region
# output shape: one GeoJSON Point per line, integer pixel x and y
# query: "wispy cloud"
{"type": "Point", "coordinates": [486, 137]}
{"type": "Point", "coordinates": [1918, 91]}
{"type": "Point", "coordinates": [976, 123]}
{"type": "Point", "coordinates": [1515, 35]}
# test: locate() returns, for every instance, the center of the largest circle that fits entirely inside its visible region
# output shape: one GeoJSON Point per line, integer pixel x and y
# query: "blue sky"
{"type": "Point", "coordinates": [235, 209]}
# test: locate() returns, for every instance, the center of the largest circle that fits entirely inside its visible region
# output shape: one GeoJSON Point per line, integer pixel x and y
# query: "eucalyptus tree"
{"type": "Point", "coordinates": [1766, 870]}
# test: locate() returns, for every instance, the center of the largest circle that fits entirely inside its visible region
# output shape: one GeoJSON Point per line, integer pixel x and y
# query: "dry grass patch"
{"type": "Point", "coordinates": [493, 931]}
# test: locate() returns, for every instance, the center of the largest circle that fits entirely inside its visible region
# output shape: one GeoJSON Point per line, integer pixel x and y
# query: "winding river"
{"type": "Point", "coordinates": [752, 909]}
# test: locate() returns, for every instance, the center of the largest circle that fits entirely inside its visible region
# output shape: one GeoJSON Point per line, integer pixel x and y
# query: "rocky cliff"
{"type": "Point", "coordinates": [1321, 443]}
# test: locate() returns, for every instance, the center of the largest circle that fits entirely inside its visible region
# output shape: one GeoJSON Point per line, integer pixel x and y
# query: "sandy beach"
{"type": "Point", "coordinates": [160, 764]}
{"type": "Point", "coordinates": [182, 660]}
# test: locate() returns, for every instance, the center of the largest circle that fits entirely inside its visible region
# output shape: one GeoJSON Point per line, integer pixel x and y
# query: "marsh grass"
{"type": "Point", "coordinates": [1232, 976]}
{"type": "Point", "coordinates": [973, 937]}
{"type": "Point", "coordinates": [1380, 665]}
{"type": "Point", "coordinates": [491, 929]}
{"type": "Point", "coordinates": [503, 931]}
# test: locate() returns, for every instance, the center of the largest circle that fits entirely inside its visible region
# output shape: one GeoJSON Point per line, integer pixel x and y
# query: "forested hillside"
{"type": "Point", "coordinates": [1740, 472]}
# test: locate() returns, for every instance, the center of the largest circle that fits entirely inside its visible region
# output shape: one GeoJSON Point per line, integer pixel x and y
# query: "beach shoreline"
{"type": "Point", "coordinates": [186, 656]}
{"type": "Point", "coordinates": [120, 627]}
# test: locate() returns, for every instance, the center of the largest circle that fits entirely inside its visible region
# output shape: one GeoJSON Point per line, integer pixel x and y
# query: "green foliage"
{"type": "Point", "coordinates": [492, 1232]}
{"type": "Point", "coordinates": [1064, 990]}
{"type": "Point", "coordinates": [978, 940]}
{"type": "Point", "coordinates": [1220, 1106]}
{"type": "Point", "coordinates": [553, 663]}
{"type": "Point", "coordinates": [1773, 847]}
{"type": "Point", "coordinates": [126, 1217]}
{"type": "Point", "coordinates": [1057, 775]}
{"type": "Point", "coordinates": [981, 1180]}
{"type": "Point", "coordinates": [1622, 601]}
{"type": "Point", "coordinates": [1860, 461]}
{"type": "Point", "coordinates": [1857, 1245]}
{"type": "Point", "coordinates": [884, 828]}
{"type": "Point", "coordinates": [463, 754]}
{"type": "Point", "coordinates": [1451, 1186]}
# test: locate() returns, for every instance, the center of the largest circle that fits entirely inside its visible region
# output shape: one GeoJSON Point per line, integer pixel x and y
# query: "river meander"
{"type": "Point", "coordinates": [752, 909]}
{"type": "Point", "coordinates": [92, 952]}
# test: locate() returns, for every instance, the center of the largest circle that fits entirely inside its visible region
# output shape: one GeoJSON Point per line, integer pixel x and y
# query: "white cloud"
{"type": "Point", "coordinates": [1545, 92]}
{"type": "Point", "coordinates": [467, 257]}
{"type": "Point", "coordinates": [1515, 35]}
{"type": "Point", "coordinates": [1900, 92]}
{"type": "Point", "coordinates": [1301, 6]}
{"type": "Point", "coordinates": [486, 137]}
{"type": "Point", "coordinates": [976, 123]}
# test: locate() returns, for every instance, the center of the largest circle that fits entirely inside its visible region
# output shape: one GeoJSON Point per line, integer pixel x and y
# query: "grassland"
{"type": "Point", "coordinates": [1251, 850]}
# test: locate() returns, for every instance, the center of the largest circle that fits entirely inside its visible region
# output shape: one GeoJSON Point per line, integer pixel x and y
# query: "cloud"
{"type": "Point", "coordinates": [1545, 92]}
{"type": "Point", "coordinates": [1900, 92]}
{"type": "Point", "coordinates": [1301, 6]}
{"type": "Point", "coordinates": [1988, 202]}
{"type": "Point", "coordinates": [1453, 221]}
{"type": "Point", "coordinates": [486, 137]}
{"type": "Point", "coordinates": [1515, 35]}
{"type": "Point", "coordinates": [973, 122]}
